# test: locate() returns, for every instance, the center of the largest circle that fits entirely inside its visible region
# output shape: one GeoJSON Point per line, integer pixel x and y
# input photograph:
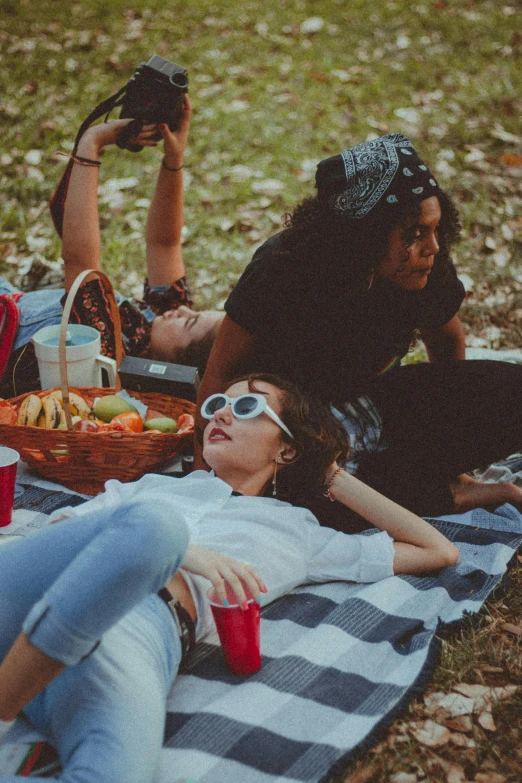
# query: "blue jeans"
{"type": "Point", "coordinates": [44, 308]}
{"type": "Point", "coordinates": [83, 591]}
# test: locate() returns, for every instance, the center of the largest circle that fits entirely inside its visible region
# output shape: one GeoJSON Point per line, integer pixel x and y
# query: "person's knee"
{"type": "Point", "coordinates": [156, 535]}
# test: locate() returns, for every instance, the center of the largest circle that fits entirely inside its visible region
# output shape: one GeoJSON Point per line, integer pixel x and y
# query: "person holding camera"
{"type": "Point", "coordinates": [361, 269]}
{"type": "Point", "coordinates": [163, 325]}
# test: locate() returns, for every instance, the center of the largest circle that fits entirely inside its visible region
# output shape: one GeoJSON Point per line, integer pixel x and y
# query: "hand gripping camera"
{"type": "Point", "coordinates": [154, 94]}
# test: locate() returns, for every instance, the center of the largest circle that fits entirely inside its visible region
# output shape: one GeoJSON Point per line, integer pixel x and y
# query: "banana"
{"type": "Point", "coordinates": [78, 405]}
{"type": "Point", "coordinates": [54, 414]}
{"type": "Point", "coordinates": [29, 411]}
{"type": "Point", "coordinates": [54, 395]}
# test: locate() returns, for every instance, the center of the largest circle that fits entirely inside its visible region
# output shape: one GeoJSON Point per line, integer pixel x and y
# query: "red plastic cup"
{"type": "Point", "coordinates": [8, 462]}
{"type": "Point", "coordinates": [239, 632]}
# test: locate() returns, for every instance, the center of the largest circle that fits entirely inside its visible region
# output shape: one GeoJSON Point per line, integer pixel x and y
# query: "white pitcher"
{"type": "Point", "coordinates": [84, 360]}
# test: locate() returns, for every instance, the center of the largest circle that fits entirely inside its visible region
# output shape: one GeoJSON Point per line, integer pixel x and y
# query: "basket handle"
{"type": "Point", "coordinates": [64, 381]}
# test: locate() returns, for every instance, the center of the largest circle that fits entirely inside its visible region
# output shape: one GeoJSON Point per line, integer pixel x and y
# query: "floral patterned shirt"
{"type": "Point", "coordinates": [91, 308]}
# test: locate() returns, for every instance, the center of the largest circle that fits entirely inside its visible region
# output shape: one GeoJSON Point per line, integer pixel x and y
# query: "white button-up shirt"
{"type": "Point", "coordinates": [284, 543]}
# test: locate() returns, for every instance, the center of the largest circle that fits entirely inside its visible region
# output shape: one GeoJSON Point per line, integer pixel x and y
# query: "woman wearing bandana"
{"type": "Point", "coordinates": [333, 303]}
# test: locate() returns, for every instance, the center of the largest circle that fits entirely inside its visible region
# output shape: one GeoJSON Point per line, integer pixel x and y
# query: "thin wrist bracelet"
{"type": "Point", "coordinates": [169, 168]}
{"type": "Point", "coordinates": [79, 159]}
{"type": "Point", "coordinates": [327, 493]}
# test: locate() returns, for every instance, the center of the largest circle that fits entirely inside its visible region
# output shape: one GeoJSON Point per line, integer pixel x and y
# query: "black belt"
{"type": "Point", "coordinates": [184, 623]}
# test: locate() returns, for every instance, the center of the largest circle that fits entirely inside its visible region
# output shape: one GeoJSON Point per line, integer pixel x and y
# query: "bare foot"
{"type": "Point", "coordinates": [469, 493]}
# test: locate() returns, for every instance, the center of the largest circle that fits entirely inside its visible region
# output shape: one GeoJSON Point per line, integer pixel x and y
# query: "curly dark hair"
{"type": "Point", "coordinates": [352, 249]}
{"type": "Point", "coordinates": [318, 439]}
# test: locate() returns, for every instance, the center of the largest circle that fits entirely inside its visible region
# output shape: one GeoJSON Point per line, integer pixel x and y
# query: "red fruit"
{"type": "Point", "coordinates": [86, 425]}
{"type": "Point", "coordinates": [113, 426]}
{"type": "Point", "coordinates": [152, 414]}
{"type": "Point", "coordinates": [186, 423]}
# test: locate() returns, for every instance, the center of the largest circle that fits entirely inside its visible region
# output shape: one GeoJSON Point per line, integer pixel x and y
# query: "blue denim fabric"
{"type": "Point", "coordinates": [6, 287]}
{"type": "Point", "coordinates": [43, 308]}
{"type": "Point", "coordinates": [86, 579]}
{"type": "Point", "coordinates": [37, 309]}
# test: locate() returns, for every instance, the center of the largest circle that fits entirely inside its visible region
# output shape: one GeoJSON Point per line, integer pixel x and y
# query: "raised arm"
{"type": "Point", "coordinates": [81, 243]}
{"type": "Point", "coordinates": [165, 218]}
{"type": "Point", "coordinates": [418, 546]}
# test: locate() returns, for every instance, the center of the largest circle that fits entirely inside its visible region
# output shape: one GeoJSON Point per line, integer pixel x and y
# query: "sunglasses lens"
{"type": "Point", "coordinates": [243, 406]}
{"type": "Point", "coordinates": [214, 404]}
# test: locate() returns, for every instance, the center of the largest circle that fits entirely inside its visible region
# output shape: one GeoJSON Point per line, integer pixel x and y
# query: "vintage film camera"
{"type": "Point", "coordinates": [154, 94]}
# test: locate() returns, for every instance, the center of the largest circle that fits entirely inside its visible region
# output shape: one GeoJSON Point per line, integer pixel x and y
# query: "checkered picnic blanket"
{"type": "Point", "coordinates": [339, 660]}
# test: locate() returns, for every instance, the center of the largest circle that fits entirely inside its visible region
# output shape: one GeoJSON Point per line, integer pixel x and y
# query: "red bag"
{"type": "Point", "coordinates": [9, 318]}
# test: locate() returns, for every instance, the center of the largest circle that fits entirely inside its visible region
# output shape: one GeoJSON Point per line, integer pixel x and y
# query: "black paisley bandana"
{"type": "Point", "coordinates": [381, 173]}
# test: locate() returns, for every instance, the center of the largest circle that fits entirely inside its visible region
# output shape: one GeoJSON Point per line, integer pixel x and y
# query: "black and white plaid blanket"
{"type": "Point", "coordinates": [339, 660]}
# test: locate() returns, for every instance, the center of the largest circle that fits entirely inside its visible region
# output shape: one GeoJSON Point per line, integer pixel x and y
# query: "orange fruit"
{"type": "Point", "coordinates": [8, 414]}
{"type": "Point", "coordinates": [130, 421]}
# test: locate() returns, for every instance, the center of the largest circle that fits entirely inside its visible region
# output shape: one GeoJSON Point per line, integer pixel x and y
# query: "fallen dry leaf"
{"type": "Point", "coordinates": [460, 723]}
{"type": "Point", "coordinates": [489, 777]}
{"type": "Point", "coordinates": [430, 733]}
{"type": "Point", "coordinates": [511, 159]}
{"type": "Point", "coordinates": [481, 696]}
{"type": "Point", "coordinates": [472, 691]}
{"type": "Point", "coordinates": [487, 701]}
{"type": "Point", "coordinates": [312, 25]}
{"type": "Point", "coordinates": [461, 741]}
{"type": "Point", "coordinates": [452, 703]}
{"type": "Point", "coordinates": [499, 133]}
{"type": "Point", "coordinates": [454, 772]}
{"type": "Point", "coordinates": [404, 777]}
{"type": "Point", "coordinates": [511, 628]}
{"type": "Point", "coordinates": [268, 187]}
{"type": "Point", "coordinates": [320, 77]}
{"type": "Point", "coordinates": [485, 719]}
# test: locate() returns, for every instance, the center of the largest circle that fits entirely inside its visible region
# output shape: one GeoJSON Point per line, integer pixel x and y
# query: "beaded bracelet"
{"type": "Point", "coordinates": [168, 167]}
{"type": "Point", "coordinates": [79, 159]}
{"type": "Point", "coordinates": [327, 493]}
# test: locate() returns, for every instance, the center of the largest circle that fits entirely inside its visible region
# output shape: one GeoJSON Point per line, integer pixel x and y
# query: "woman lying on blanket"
{"type": "Point", "coordinates": [163, 326]}
{"type": "Point", "coordinates": [90, 650]}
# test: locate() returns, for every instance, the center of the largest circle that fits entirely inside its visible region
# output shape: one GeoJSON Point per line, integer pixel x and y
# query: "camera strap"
{"type": "Point", "coordinates": [57, 202]}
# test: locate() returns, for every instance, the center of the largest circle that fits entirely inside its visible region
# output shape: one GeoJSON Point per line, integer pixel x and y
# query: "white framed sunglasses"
{"type": "Point", "coordinates": [247, 406]}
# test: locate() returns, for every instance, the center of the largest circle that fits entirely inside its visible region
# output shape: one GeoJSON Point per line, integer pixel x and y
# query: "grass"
{"type": "Point", "coordinates": [272, 99]}
{"type": "Point", "coordinates": [274, 92]}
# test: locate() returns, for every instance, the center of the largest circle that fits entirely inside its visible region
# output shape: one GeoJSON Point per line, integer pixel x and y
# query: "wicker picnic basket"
{"type": "Point", "coordinates": [84, 461]}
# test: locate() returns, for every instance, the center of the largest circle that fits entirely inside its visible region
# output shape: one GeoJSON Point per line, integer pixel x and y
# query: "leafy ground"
{"type": "Point", "coordinates": [277, 86]}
